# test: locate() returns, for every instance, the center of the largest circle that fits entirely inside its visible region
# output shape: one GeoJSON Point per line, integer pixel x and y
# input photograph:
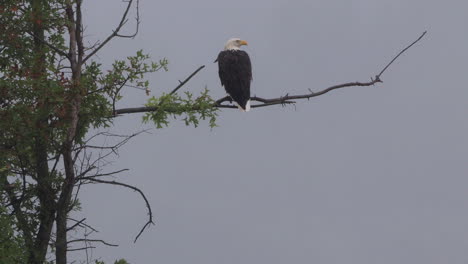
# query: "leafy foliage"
{"type": "Point", "coordinates": [49, 100]}
{"type": "Point", "coordinates": [12, 249]}
{"type": "Point", "coordinates": [120, 261]}
{"type": "Point", "coordinates": [190, 109]}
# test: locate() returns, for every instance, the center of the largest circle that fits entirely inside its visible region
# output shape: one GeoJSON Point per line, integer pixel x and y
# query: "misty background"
{"type": "Point", "coordinates": [359, 175]}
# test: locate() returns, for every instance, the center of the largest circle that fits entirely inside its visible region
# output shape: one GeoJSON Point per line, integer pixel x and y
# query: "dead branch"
{"type": "Point", "coordinates": [90, 165]}
{"type": "Point", "coordinates": [150, 213]}
{"type": "Point", "coordinates": [186, 80]}
{"type": "Point", "coordinates": [76, 224]}
{"type": "Point", "coordinates": [77, 249]}
{"type": "Point", "coordinates": [287, 99]}
{"type": "Point", "coordinates": [115, 32]}
{"type": "Point", "coordinates": [92, 240]}
{"type": "Point", "coordinates": [401, 52]}
{"type": "Point", "coordinates": [81, 223]}
{"type": "Point", "coordinates": [79, 178]}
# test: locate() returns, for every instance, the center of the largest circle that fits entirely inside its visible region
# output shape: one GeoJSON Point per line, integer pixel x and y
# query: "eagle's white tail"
{"type": "Point", "coordinates": [247, 106]}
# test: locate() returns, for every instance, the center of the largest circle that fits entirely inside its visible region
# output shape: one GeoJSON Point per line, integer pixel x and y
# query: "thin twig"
{"type": "Point", "coordinates": [77, 249]}
{"type": "Point", "coordinates": [92, 240]}
{"type": "Point", "coordinates": [76, 224]}
{"type": "Point", "coordinates": [83, 224]}
{"type": "Point", "coordinates": [401, 52]}
{"type": "Point", "coordinates": [99, 175]}
{"type": "Point", "coordinates": [186, 80]}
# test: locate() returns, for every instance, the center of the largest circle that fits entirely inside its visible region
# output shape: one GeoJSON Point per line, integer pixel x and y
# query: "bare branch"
{"type": "Point", "coordinates": [77, 249]}
{"type": "Point", "coordinates": [401, 52]}
{"type": "Point", "coordinates": [186, 80]}
{"type": "Point", "coordinates": [88, 164]}
{"type": "Point", "coordinates": [83, 224]}
{"type": "Point", "coordinates": [79, 32]}
{"type": "Point", "coordinates": [76, 224]}
{"type": "Point", "coordinates": [100, 175]}
{"type": "Point", "coordinates": [287, 99]}
{"type": "Point", "coordinates": [115, 32]}
{"type": "Point", "coordinates": [92, 240]}
{"type": "Point", "coordinates": [150, 213]}
{"type": "Point", "coordinates": [133, 110]}
{"type": "Point", "coordinates": [137, 19]}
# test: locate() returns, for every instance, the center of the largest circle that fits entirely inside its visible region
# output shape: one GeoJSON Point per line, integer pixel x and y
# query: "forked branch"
{"type": "Point", "coordinates": [116, 31]}
{"type": "Point", "coordinates": [148, 206]}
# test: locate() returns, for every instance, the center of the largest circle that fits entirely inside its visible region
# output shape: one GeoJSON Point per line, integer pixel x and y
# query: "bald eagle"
{"type": "Point", "coordinates": [235, 72]}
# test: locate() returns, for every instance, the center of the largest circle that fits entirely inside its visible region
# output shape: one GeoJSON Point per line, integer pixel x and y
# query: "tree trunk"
{"type": "Point", "coordinates": [75, 95]}
{"type": "Point", "coordinates": [63, 208]}
{"type": "Point", "coordinates": [45, 190]}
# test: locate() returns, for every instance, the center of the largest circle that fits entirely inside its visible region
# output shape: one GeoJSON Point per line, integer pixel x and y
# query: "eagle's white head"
{"type": "Point", "coordinates": [234, 44]}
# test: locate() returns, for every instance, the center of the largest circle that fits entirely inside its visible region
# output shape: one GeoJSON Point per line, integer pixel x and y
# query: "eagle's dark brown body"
{"type": "Point", "coordinates": [235, 72]}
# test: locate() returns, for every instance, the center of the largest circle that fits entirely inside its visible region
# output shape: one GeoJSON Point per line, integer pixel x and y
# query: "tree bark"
{"type": "Point", "coordinates": [75, 94]}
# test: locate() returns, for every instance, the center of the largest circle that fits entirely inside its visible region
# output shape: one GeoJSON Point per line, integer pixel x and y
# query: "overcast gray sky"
{"type": "Point", "coordinates": [361, 175]}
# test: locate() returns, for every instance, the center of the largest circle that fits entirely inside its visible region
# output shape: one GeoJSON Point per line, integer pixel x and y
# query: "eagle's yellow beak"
{"type": "Point", "coordinates": [243, 42]}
